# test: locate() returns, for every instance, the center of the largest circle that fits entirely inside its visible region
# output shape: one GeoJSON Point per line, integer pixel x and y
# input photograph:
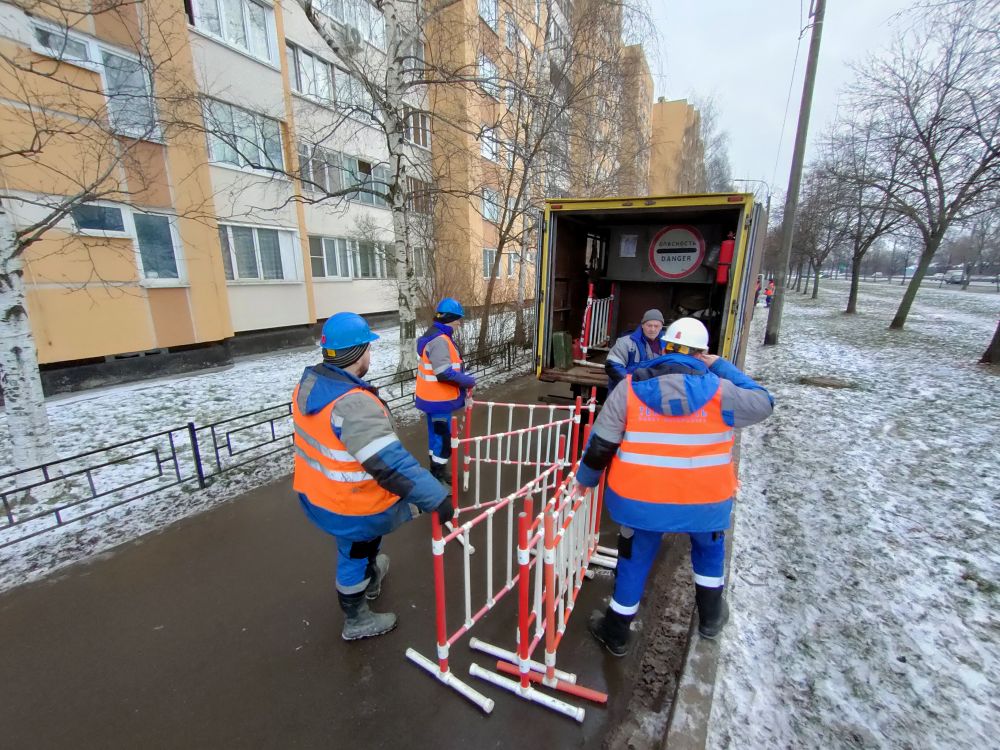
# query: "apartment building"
{"type": "Point", "coordinates": [207, 137]}
{"type": "Point", "coordinates": [677, 153]}
{"type": "Point", "coordinates": [202, 115]}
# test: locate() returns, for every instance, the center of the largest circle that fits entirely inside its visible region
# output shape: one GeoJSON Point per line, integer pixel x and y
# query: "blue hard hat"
{"type": "Point", "coordinates": [450, 306]}
{"type": "Point", "coordinates": [344, 330]}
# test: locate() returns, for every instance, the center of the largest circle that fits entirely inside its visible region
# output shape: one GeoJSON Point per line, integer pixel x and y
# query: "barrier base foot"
{"type": "Point", "coordinates": [529, 693]}
{"type": "Point", "coordinates": [500, 653]}
{"type": "Point", "coordinates": [570, 688]}
{"type": "Point", "coordinates": [449, 679]}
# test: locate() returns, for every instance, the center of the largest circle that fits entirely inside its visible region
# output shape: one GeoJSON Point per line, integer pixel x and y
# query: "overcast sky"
{"type": "Point", "coordinates": [741, 54]}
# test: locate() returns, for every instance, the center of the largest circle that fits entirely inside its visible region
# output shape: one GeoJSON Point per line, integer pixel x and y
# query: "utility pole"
{"type": "Point", "coordinates": [794, 178]}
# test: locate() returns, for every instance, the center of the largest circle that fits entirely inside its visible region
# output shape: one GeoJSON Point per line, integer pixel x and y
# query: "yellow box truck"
{"type": "Point", "coordinates": [603, 262]}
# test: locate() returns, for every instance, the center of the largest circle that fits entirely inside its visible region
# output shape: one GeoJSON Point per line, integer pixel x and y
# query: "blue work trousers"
{"type": "Point", "coordinates": [355, 561]}
{"type": "Point", "coordinates": [637, 550]}
{"type": "Point", "coordinates": [439, 438]}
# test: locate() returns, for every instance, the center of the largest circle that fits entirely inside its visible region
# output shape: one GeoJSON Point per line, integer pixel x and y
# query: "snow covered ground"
{"type": "Point", "coordinates": [104, 417]}
{"type": "Point", "coordinates": [865, 580]}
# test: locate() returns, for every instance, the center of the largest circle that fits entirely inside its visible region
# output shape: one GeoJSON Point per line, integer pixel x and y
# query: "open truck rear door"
{"type": "Point", "coordinates": [603, 262]}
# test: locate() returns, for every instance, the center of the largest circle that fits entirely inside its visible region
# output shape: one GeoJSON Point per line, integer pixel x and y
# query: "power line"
{"type": "Point", "coordinates": [788, 99]}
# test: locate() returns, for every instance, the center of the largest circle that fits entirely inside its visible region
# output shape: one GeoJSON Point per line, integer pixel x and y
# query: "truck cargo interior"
{"type": "Point", "coordinates": [606, 262]}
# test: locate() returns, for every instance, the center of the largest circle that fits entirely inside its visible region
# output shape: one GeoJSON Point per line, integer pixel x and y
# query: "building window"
{"type": "Point", "coordinates": [255, 253]}
{"type": "Point", "coordinates": [126, 81]}
{"type": "Point", "coordinates": [421, 196]}
{"type": "Point", "coordinates": [489, 12]}
{"type": "Point", "coordinates": [374, 178]}
{"type": "Point", "coordinates": [354, 98]}
{"type": "Point", "coordinates": [489, 146]}
{"type": "Point", "coordinates": [243, 138]}
{"type": "Point", "coordinates": [246, 25]}
{"type": "Point", "coordinates": [414, 61]}
{"type": "Point", "coordinates": [509, 151]}
{"type": "Point", "coordinates": [59, 44]}
{"type": "Point", "coordinates": [421, 266]}
{"type": "Point", "coordinates": [511, 32]}
{"type": "Point", "coordinates": [310, 75]}
{"type": "Point", "coordinates": [99, 220]}
{"type": "Point", "coordinates": [489, 77]}
{"type": "Point", "coordinates": [538, 12]}
{"type": "Point", "coordinates": [357, 14]}
{"type": "Point", "coordinates": [417, 128]}
{"type": "Point", "coordinates": [154, 234]}
{"type": "Point", "coordinates": [491, 205]}
{"type": "Point", "coordinates": [330, 257]}
{"type": "Point", "coordinates": [489, 256]}
{"type": "Point", "coordinates": [371, 261]}
{"type": "Point", "coordinates": [513, 262]}
{"type": "Point", "coordinates": [320, 169]}
{"type": "Point", "coordinates": [130, 101]}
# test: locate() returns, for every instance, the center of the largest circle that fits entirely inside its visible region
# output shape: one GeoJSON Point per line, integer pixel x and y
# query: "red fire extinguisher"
{"type": "Point", "coordinates": [726, 251]}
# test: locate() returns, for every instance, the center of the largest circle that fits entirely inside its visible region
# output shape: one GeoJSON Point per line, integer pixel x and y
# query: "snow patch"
{"type": "Point", "coordinates": [865, 574]}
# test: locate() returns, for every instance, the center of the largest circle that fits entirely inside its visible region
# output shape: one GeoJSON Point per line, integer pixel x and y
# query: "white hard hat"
{"type": "Point", "coordinates": [688, 332]}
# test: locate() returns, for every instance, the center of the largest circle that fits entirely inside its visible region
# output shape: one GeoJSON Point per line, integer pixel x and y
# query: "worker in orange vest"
{"type": "Point", "coordinates": [665, 436]}
{"type": "Point", "coordinates": [354, 478]}
{"type": "Point", "coordinates": [442, 384]}
{"type": "Point", "coordinates": [769, 293]}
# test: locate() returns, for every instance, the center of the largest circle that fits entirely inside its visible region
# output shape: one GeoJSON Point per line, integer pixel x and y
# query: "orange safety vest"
{"type": "Point", "coordinates": [326, 473]}
{"type": "Point", "coordinates": [683, 460]}
{"type": "Point", "coordinates": [429, 388]}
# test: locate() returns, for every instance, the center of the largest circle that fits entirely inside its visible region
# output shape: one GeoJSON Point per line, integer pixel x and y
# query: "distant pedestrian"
{"type": "Point", "coordinates": [769, 293]}
{"type": "Point", "coordinates": [354, 478]}
{"type": "Point", "coordinates": [666, 437]}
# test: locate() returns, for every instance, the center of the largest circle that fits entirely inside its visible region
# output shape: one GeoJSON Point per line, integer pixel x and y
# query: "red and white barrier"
{"type": "Point", "coordinates": [596, 333]}
{"type": "Point", "coordinates": [553, 548]}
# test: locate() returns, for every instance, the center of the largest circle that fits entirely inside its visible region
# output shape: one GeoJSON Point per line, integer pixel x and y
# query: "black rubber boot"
{"type": "Point", "coordinates": [441, 472]}
{"type": "Point", "coordinates": [360, 621]}
{"type": "Point", "coordinates": [713, 612]}
{"type": "Point", "coordinates": [612, 630]}
{"type": "Point", "coordinates": [377, 570]}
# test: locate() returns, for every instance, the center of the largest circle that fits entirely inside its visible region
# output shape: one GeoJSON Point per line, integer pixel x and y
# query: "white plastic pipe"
{"type": "Point", "coordinates": [510, 656]}
{"type": "Point", "coordinates": [530, 694]}
{"type": "Point", "coordinates": [449, 679]}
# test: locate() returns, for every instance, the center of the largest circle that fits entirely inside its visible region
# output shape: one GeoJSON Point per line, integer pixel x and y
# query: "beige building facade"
{"type": "Point", "coordinates": [229, 121]}
{"type": "Point", "coordinates": [676, 151]}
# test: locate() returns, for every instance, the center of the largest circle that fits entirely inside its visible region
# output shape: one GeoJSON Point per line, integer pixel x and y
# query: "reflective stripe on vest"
{"type": "Point", "coordinates": [326, 472]}
{"type": "Point", "coordinates": [682, 460]}
{"type": "Point", "coordinates": [429, 388]}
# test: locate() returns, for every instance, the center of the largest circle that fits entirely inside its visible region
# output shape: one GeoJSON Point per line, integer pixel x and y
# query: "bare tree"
{"type": "Point", "coordinates": [821, 228]}
{"type": "Point", "coordinates": [77, 122]}
{"type": "Point", "coordinates": [555, 129]}
{"type": "Point", "coordinates": [864, 186]}
{"type": "Point", "coordinates": [933, 139]}
{"type": "Point", "coordinates": [718, 169]}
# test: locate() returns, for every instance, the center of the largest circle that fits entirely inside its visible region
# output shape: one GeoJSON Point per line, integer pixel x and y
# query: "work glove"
{"type": "Point", "coordinates": [445, 511]}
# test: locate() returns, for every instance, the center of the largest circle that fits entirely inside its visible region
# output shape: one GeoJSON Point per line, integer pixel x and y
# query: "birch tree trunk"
{"type": "Point", "coordinates": [24, 401]}
{"type": "Point", "coordinates": [398, 31]}
{"type": "Point", "coordinates": [520, 332]}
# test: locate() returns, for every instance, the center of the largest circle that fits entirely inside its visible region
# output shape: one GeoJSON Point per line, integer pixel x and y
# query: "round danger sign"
{"type": "Point", "coordinates": [676, 251]}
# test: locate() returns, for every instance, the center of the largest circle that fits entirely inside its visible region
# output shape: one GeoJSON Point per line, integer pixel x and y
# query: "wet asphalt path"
{"type": "Point", "coordinates": [223, 631]}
